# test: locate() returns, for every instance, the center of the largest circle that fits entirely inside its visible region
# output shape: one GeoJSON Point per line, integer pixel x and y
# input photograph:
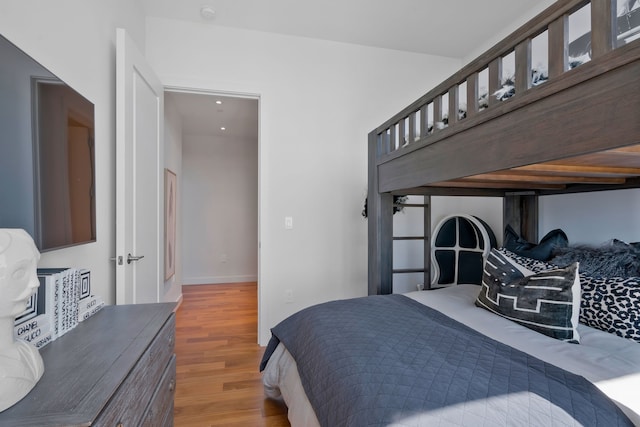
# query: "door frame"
{"type": "Point", "coordinates": [129, 57]}
{"type": "Point", "coordinates": [257, 97]}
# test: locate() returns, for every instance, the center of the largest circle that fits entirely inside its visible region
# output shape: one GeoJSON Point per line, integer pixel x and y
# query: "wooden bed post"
{"type": "Point", "coordinates": [380, 227]}
{"type": "Point", "coordinates": [427, 242]}
{"type": "Point", "coordinates": [521, 213]}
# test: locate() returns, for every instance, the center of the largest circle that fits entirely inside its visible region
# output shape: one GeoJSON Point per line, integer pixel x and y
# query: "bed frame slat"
{"type": "Point", "coordinates": [392, 139]}
{"type": "Point", "coordinates": [412, 128]}
{"type": "Point", "coordinates": [424, 122]}
{"type": "Point", "coordinates": [473, 93]}
{"type": "Point", "coordinates": [523, 66]}
{"type": "Point", "coordinates": [454, 104]}
{"type": "Point", "coordinates": [603, 22]}
{"type": "Point", "coordinates": [437, 112]}
{"type": "Point", "coordinates": [495, 79]}
{"type": "Point", "coordinates": [385, 143]}
{"type": "Point", "coordinates": [558, 36]}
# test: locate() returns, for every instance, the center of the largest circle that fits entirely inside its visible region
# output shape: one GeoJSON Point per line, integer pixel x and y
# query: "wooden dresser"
{"type": "Point", "coordinates": [116, 369]}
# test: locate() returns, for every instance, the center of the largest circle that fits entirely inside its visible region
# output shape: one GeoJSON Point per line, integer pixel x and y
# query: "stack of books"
{"type": "Point", "coordinates": [62, 300]}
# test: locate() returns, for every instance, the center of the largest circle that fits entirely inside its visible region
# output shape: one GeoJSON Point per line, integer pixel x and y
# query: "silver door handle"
{"type": "Point", "coordinates": [131, 258]}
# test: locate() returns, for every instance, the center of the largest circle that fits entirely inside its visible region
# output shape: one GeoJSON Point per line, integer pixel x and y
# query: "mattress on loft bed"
{"type": "Point", "coordinates": [610, 362]}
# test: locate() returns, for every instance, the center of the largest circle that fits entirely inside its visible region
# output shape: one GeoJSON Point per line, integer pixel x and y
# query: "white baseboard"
{"type": "Point", "coordinates": [211, 280]}
{"type": "Point", "coordinates": [178, 303]}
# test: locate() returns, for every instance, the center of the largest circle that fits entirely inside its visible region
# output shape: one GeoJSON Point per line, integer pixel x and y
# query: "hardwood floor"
{"type": "Point", "coordinates": [217, 380]}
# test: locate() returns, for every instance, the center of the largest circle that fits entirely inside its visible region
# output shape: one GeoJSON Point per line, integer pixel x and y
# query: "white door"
{"type": "Point", "coordinates": [139, 176]}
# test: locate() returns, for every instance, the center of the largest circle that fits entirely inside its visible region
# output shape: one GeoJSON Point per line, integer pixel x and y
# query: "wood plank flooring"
{"type": "Point", "coordinates": [217, 379]}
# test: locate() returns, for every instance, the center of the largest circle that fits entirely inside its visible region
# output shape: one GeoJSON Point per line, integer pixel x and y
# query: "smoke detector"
{"type": "Point", "coordinates": [207, 12]}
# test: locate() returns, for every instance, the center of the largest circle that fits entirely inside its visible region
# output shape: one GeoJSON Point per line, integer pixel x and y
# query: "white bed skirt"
{"type": "Point", "coordinates": [282, 381]}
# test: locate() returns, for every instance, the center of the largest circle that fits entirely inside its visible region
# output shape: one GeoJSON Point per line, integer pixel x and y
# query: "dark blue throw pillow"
{"type": "Point", "coordinates": [543, 251]}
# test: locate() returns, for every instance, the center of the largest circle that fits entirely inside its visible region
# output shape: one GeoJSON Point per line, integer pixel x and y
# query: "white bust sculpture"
{"type": "Point", "coordinates": [20, 363]}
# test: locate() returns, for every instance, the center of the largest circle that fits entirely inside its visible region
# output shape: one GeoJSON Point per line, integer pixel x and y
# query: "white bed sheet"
{"type": "Point", "coordinates": [610, 362]}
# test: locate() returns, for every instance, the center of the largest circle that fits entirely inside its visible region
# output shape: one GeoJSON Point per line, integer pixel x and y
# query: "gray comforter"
{"type": "Point", "coordinates": [389, 360]}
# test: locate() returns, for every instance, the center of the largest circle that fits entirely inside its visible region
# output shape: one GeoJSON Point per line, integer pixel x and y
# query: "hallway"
{"type": "Point", "coordinates": [217, 381]}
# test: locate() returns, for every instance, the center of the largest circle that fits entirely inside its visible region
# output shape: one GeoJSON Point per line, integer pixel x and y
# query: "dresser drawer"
{"type": "Point", "coordinates": [160, 410]}
{"type": "Point", "coordinates": [134, 394]}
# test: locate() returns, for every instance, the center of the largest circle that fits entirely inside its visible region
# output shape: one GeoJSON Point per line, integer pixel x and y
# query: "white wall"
{"type": "Point", "coordinates": [75, 40]}
{"type": "Point", "coordinates": [592, 218]}
{"type": "Point", "coordinates": [488, 209]}
{"type": "Point", "coordinates": [220, 209]}
{"type": "Point", "coordinates": [318, 102]}
{"type": "Point", "coordinates": [173, 161]}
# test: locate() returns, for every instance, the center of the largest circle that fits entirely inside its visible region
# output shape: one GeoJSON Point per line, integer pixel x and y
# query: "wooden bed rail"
{"type": "Point", "coordinates": [439, 108]}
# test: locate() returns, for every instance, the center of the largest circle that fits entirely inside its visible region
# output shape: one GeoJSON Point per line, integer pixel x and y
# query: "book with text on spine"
{"type": "Point", "coordinates": [36, 330]}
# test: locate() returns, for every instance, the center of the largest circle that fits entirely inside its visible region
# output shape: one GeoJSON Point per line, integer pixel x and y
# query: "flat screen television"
{"type": "Point", "coordinates": [47, 160]}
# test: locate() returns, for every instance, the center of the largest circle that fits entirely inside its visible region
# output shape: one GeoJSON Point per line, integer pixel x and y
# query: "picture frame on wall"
{"type": "Point", "coordinates": [170, 194]}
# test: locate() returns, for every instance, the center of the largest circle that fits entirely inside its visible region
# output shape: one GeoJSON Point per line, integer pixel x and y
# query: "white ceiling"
{"type": "Point", "coordinates": [440, 27]}
{"type": "Point", "coordinates": [454, 28]}
{"type": "Point", "coordinates": [202, 115]}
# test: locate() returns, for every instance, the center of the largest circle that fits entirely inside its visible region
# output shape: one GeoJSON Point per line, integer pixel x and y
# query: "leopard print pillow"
{"type": "Point", "coordinates": [529, 263]}
{"type": "Point", "coordinates": [611, 304]}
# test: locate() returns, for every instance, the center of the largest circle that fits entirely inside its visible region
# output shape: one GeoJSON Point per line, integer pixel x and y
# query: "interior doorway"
{"type": "Point", "coordinates": [213, 138]}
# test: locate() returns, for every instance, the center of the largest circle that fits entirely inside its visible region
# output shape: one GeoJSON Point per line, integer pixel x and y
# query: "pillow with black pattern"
{"type": "Point", "coordinates": [532, 264]}
{"type": "Point", "coordinates": [545, 301]}
{"type": "Point", "coordinates": [612, 305]}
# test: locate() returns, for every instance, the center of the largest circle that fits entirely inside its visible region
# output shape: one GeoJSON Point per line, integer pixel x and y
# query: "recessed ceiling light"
{"type": "Point", "coordinates": [223, 128]}
{"type": "Point", "coordinates": [207, 12]}
{"type": "Point", "coordinates": [218, 102]}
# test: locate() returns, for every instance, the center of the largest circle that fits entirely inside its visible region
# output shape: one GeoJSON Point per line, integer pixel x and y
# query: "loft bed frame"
{"type": "Point", "coordinates": [578, 131]}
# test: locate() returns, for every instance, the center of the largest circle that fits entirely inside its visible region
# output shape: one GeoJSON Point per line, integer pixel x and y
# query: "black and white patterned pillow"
{"type": "Point", "coordinates": [612, 305]}
{"type": "Point", "coordinates": [547, 302]}
{"type": "Point", "coordinates": [534, 265]}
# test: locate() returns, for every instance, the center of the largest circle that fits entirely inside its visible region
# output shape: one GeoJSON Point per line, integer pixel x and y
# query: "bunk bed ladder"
{"type": "Point", "coordinates": [425, 237]}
